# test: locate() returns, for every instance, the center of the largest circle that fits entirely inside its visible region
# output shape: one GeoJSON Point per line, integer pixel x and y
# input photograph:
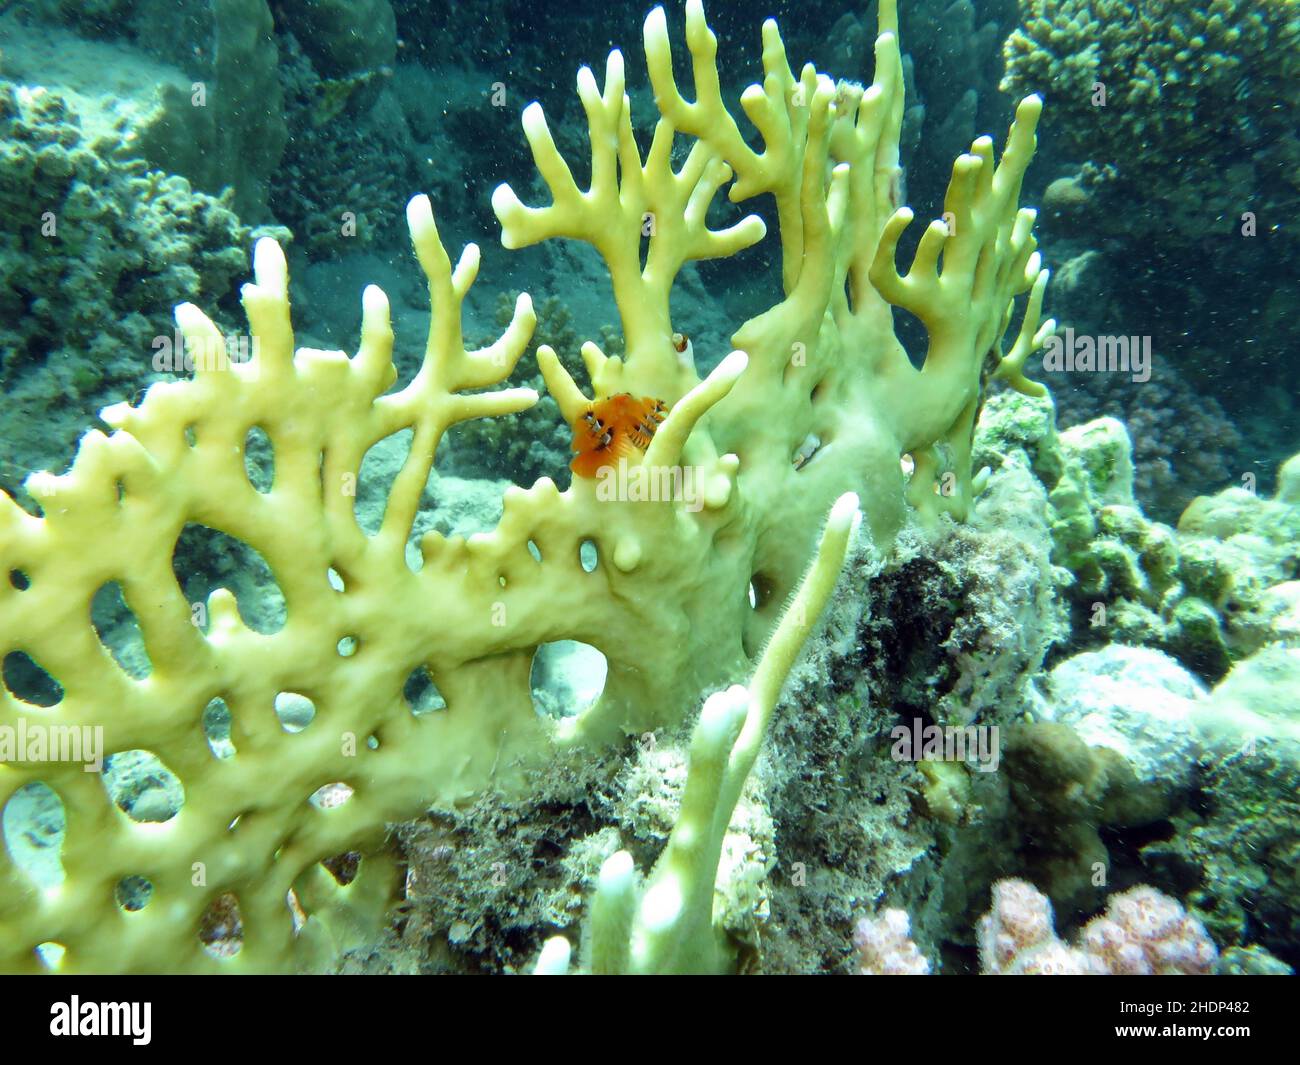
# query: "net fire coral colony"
{"type": "Point", "coordinates": [682, 600]}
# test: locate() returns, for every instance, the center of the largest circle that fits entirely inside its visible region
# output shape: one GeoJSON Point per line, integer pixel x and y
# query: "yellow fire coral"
{"type": "Point", "coordinates": [818, 400]}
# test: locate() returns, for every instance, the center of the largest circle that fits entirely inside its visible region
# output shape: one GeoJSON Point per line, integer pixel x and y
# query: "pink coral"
{"type": "Point", "coordinates": [1144, 932]}
{"type": "Point", "coordinates": [1017, 929]}
{"type": "Point", "coordinates": [885, 947]}
{"type": "Point", "coordinates": [1141, 933]}
{"type": "Point", "coordinates": [1053, 958]}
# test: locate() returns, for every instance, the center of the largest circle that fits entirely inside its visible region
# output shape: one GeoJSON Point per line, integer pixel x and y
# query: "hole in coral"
{"type": "Point", "coordinates": [347, 646]}
{"type": "Point", "coordinates": [206, 559]}
{"type": "Point", "coordinates": [588, 556]}
{"type": "Point", "coordinates": [421, 694]}
{"type": "Point", "coordinates": [27, 681]}
{"type": "Point", "coordinates": [379, 469]}
{"type": "Point", "coordinates": [118, 630]}
{"type": "Point", "coordinates": [142, 786]}
{"type": "Point", "coordinates": [912, 334]}
{"type": "Point", "coordinates": [806, 451]}
{"type": "Point", "coordinates": [51, 954]}
{"type": "Point", "coordinates": [566, 678]}
{"type": "Point", "coordinates": [372, 742]}
{"type": "Point", "coordinates": [133, 893]}
{"type": "Point", "coordinates": [259, 459]}
{"type": "Point", "coordinates": [328, 796]}
{"type": "Point", "coordinates": [34, 824]}
{"type": "Point", "coordinates": [191, 437]}
{"type": "Point", "coordinates": [761, 591]}
{"type": "Point", "coordinates": [221, 929]}
{"type": "Point", "coordinates": [294, 710]}
{"type": "Point", "coordinates": [534, 550]}
{"type": "Point", "coordinates": [647, 232]}
{"type": "Point", "coordinates": [336, 582]}
{"type": "Point", "coordinates": [19, 580]}
{"type": "Point", "coordinates": [343, 867]}
{"type": "Point", "coordinates": [501, 579]}
{"type": "Point", "coordinates": [216, 728]}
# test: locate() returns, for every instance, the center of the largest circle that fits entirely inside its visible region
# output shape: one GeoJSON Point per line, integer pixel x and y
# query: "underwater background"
{"type": "Point", "coordinates": [1121, 609]}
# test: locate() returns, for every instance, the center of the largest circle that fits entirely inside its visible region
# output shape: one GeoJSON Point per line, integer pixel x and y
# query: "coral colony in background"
{"type": "Point", "coordinates": [796, 647]}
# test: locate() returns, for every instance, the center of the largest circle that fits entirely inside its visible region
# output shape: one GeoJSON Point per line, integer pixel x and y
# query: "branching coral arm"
{"type": "Point", "coordinates": [629, 201]}
{"type": "Point", "coordinates": [987, 250]}
{"type": "Point", "coordinates": [669, 927]}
